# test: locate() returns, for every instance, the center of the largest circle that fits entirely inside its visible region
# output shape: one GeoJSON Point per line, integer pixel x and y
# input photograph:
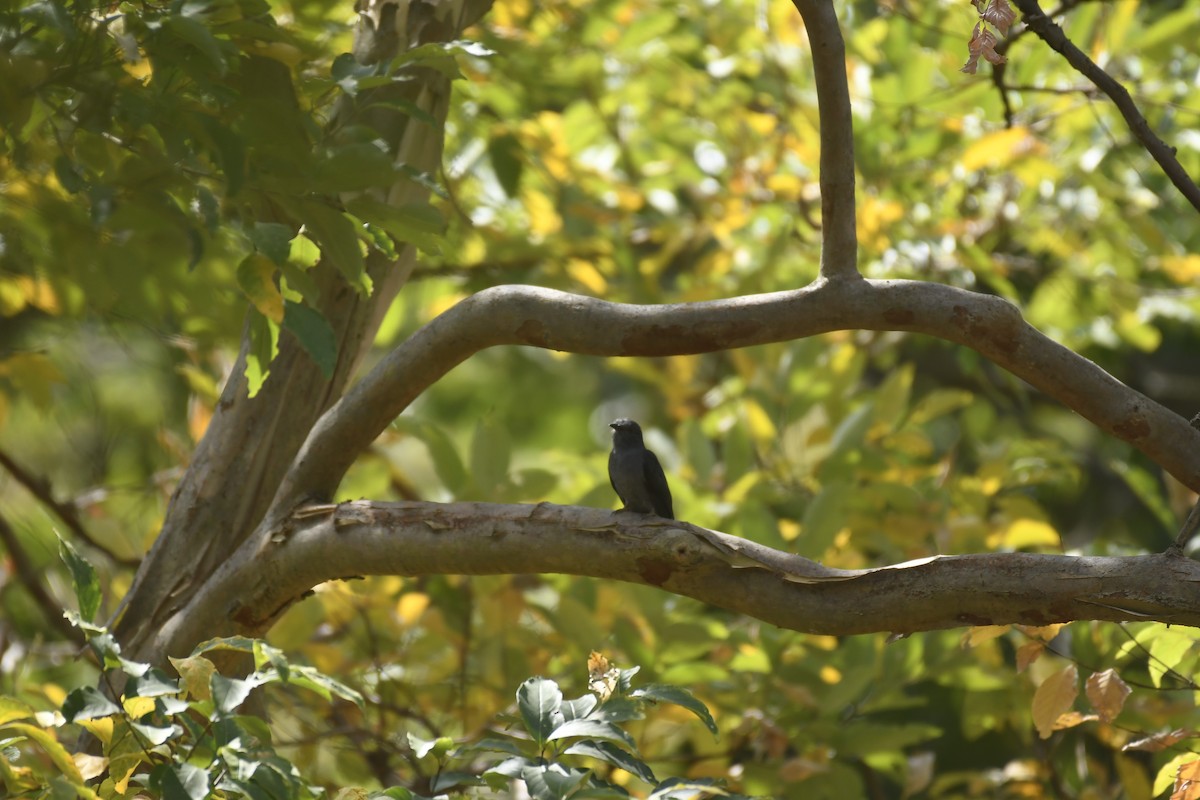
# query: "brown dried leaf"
{"type": "Point", "coordinates": [1028, 653]}
{"type": "Point", "coordinates": [1160, 741]}
{"type": "Point", "coordinates": [1107, 693]}
{"type": "Point", "coordinates": [1000, 14]}
{"type": "Point", "coordinates": [974, 48]}
{"type": "Point", "coordinates": [1054, 698]}
{"type": "Point", "coordinates": [1071, 719]}
{"type": "Point", "coordinates": [989, 42]}
{"type": "Point", "coordinates": [1042, 633]}
{"type": "Point", "coordinates": [1187, 782]}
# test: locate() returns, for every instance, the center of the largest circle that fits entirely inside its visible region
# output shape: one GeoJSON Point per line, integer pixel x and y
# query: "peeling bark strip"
{"type": "Point", "coordinates": [413, 539]}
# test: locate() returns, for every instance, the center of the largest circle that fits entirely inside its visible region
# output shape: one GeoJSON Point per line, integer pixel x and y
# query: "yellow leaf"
{"type": "Point", "coordinates": [976, 636]}
{"type": "Point", "coordinates": [1000, 149]}
{"type": "Point", "coordinates": [1183, 269]}
{"type": "Point", "coordinates": [34, 374]}
{"type": "Point", "coordinates": [256, 276]}
{"type": "Point", "coordinates": [1024, 533]}
{"type": "Point", "coordinates": [1070, 719]}
{"type": "Point", "coordinates": [40, 294]}
{"type": "Point", "coordinates": [196, 672]}
{"type": "Point", "coordinates": [586, 273]}
{"type": "Point", "coordinates": [123, 784]}
{"type": "Point", "coordinates": [543, 216]}
{"type": "Point", "coordinates": [1107, 693]}
{"type": "Point", "coordinates": [789, 529]}
{"type": "Point", "coordinates": [830, 675]}
{"type": "Point", "coordinates": [1054, 698]}
{"type": "Point", "coordinates": [138, 707]}
{"type": "Point", "coordinates": [101, 728]}
{"type": "Point", "coordinates": [12, 299]}
{"type": "Point", "coordinates": [760, 424]}
{"type": "Point", "coordinates": [1042, 633]}
{"type": "Point", "coordinates": [411, 606]}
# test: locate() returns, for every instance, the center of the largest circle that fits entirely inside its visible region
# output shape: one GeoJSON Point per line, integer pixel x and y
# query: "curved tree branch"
{"type": "Point", "coordinates": [327, 542]}
{"type": "Point", "coordinates": [839, 235]}
{"type": "Point", "coordinates": [1053, 35]}
{"type": "Point", "coordinates": [576, 324]}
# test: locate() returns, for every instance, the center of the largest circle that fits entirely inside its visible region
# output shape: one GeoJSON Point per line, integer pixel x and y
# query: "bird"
{"type": "Point", "coordinates": [635, 474]}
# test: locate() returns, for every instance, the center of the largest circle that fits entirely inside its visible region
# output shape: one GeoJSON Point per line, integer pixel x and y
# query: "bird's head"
{"type": "Point", "coordinates": [626, 431]}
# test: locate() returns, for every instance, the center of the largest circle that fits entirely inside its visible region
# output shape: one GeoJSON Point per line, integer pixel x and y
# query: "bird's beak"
{"type": "Point", "coordinates": [612, 425]}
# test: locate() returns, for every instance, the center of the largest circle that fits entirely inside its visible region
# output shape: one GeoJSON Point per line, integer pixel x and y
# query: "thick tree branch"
{"type": "Point", "coordinates": [576, 324]}
{"type": "Point", "coordinates": [251, 442]}
{"type": "Point", "coordinates": [1053, 35]}
{"type": "Point", "coordinates": [839, 235]}
{"type": "Point", "coordinates": [322, 543]}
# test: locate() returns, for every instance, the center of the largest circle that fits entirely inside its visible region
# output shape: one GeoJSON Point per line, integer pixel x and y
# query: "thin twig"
{"type": "Point", "coordinates": [1190, 525]}
{"type": "Point", "coordinates": [28, 574]}
{"type": "Point", "coordinates": [67, 512]}
{"type": "Point", "coordinates": [1053, 35]}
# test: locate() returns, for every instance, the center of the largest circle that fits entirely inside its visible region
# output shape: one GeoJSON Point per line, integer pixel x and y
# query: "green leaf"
{"type": "Point", "coordinates": [264, 337]}
{"type": "Point", "coordinates": [1148, 488]}
{"type": "Point", "coordinates": [12, 709]}
{"type": "Point", "coordinates": [552, 781]}
{"type": "Point", "coordinates": [354, 167]}
{"type": "Point", "coordinates": [420, 747]}
{"type": "Point", "coordinates": [824, 517]}
{"type": "Point", "coordinates": [891, 399]}
{"type": "Point", "coordinates": [580, 707]}
{"type": "Point", "coordinates": [69, 175]}
{"type": "Point", "coordinates": [679, 696]}
{"type": "Point", "coordinates": [273, 240]}
{"type": "Point", "coordinates": [180, 781]}
{"type": "Point", "coordinates": [157, 734]}
{"type": "Point", "coordinates": [87, 702]}
{"type": "Point", "coordinates": [229, 693]}
{"type": "Point", "coordinates": [229, 151]}
{"type": "Point", "coordinates": [605, 751]}
{"type": "Point", "coordinates": [592, 728]}
{"type": "Point", "coordinates": [408, 107]}
{"type": "Point", "coordinates": [265, 654]}
{"type": "Point", "coordinates": [237, 644]}
{"type": "Point", "coordinates": [317, 681]}
{"type": "Point", "coordinates": [505, 153]}
{"type": "Point", "coordinates": [491, 450]}
{"type": "Point", "coordinates": [155, 683]}
{"type": "Point", "coordinates": [314, 334]}
{"type": "Point", "coordinates": [337, 235]}
{"type": "Point", "coordinates": [446, 462]}
{"type": "Point", "coordinates": [539, 701]}
{"type": "Point", "coordinates": [83, 579]}
{"type": "Point", "coordinates": [419, 224]}
{"type": "Point", "coordinates": [198, 35]}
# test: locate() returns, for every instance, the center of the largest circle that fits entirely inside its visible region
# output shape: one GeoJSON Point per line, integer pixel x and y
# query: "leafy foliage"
{"type": "Point", "coordinates": [169, 167]}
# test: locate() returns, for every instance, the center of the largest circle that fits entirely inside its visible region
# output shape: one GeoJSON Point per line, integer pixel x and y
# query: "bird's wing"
{"type": "Point", "coordinates": [656, 482]}
{"type": "Point", "coordinates": [611, 458]}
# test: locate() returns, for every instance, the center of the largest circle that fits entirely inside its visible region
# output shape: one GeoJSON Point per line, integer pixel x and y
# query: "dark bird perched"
{"type": "Point", "coordinates": [635, 473]}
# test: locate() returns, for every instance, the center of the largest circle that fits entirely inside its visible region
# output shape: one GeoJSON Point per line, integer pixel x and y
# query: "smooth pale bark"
{"type": "Point", "coordinates": [328, 542]}
{"type": "Point", "coordinates": [577, 324]}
